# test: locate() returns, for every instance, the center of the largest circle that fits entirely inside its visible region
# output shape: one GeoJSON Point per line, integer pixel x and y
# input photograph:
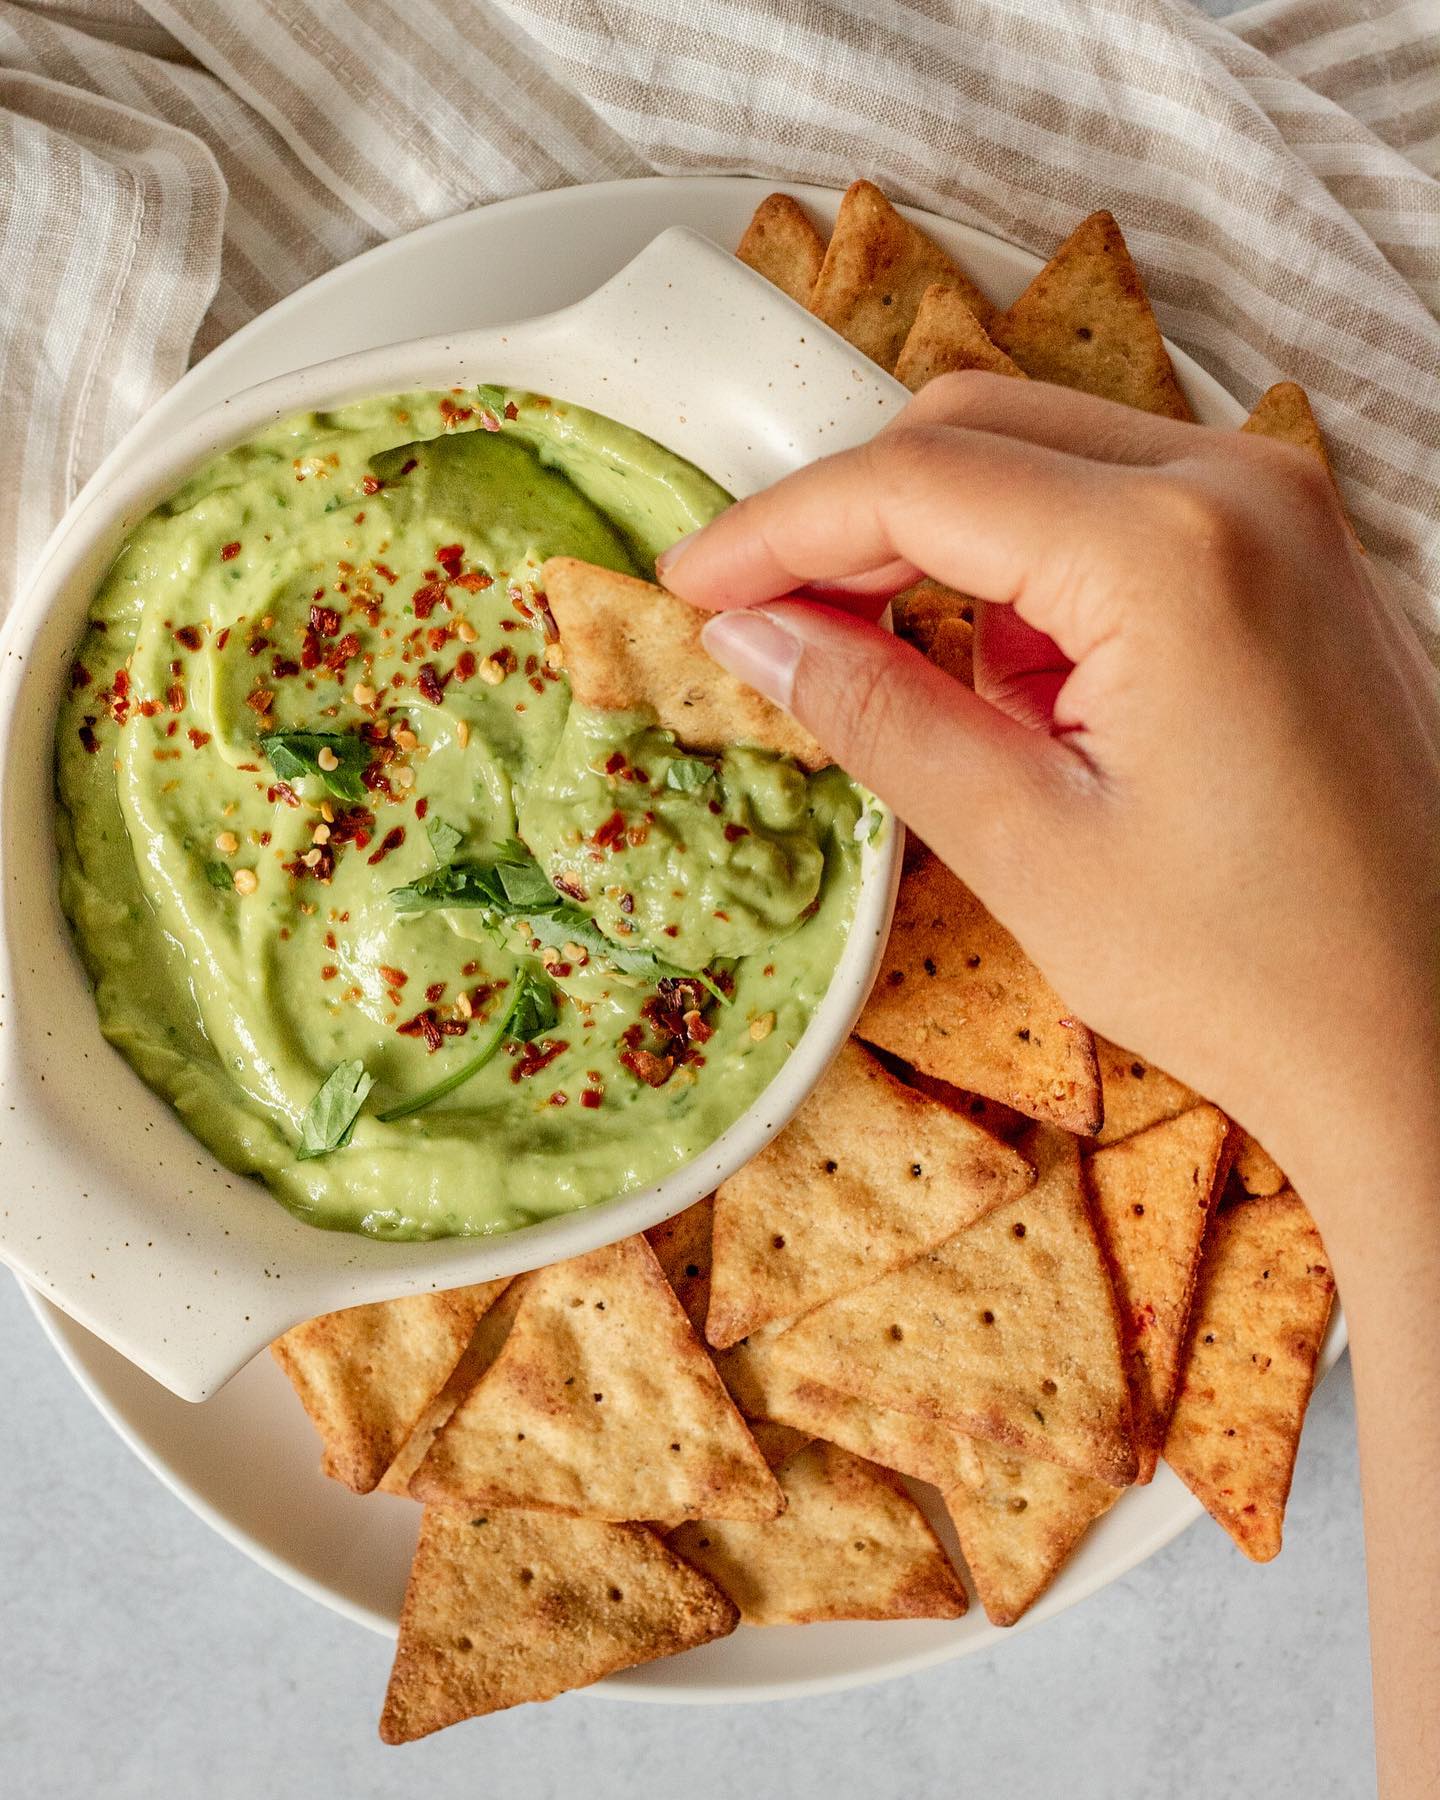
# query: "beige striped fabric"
{"type": "Point", "coordinates": [169, 169]}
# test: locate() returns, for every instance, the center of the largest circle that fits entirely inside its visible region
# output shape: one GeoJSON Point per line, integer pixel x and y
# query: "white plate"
{"type": "Point", "coordinates": [247, 1461]}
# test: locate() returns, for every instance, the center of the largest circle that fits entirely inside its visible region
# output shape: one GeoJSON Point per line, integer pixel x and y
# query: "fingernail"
{"type": "Point", "coordinates": [667, 559]}
{"type": "Point", "coordinates": [757, 648]}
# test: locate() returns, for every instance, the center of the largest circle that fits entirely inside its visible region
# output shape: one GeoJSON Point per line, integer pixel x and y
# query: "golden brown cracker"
{"type": "Point", "coordinates": [782, 244]}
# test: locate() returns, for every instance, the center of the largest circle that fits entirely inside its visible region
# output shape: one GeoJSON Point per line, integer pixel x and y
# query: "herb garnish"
{"type": "Point", "coordinates": [293, 754]}
{"type": "Point", "coordinates": [533, 1009]}
{"type": "Point", "coordinates": [219, 875]}
{"type": "Point", "coordinates": [328, 1122]}
{"type": "Point", "coordinates": [687, 773]}
{"type": "Point", "coordinates": [445, 840]}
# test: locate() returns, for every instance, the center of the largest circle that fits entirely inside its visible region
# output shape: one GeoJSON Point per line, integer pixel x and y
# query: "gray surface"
{"type": "Point", "coordinates": [141, 1658]}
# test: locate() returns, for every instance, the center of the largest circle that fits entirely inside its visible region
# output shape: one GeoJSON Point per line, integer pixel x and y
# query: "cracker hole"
{"type": "Point", "coordinates": [972, 962]}
{"type": "Point", "coordinates": [929, 966]}
{"type": "Point", "coordinates": [526, 1577]}
{"type": "Point", "coordinates": [1018, 1230]}
{"type": "Point", "coordinates": [897, 1334]}
{"type": "Point", "coordinates": [987, 1317]}
{"type": "Point", "coordinates": [916, 1171]}
{"type": "Point", "coordinates": [597, 1398]}
{"type": "Point", "coordinates": [616, 1595]}
{"type": "Point", "coordinates": [1138, 1210]}
{"type": "Point", "coordinates": [463, 1643]}
{"type": "Point", "coordinates": [830, 1165]}
{"type": "Point", "coordinates": [692, 1270]}
{"type": "Point", "coordinates": [1017, 1503]}
{"type": "Point", "coordinates": [1084, 333]}
{"type": "Point", "coordinates": [1047, 1386]}
{"type": "Point", "coordinates": [777, 1242]}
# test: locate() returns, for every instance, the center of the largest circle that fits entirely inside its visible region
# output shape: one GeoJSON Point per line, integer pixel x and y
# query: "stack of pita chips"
{"type": "Point", "coordinates": [994, 1270]}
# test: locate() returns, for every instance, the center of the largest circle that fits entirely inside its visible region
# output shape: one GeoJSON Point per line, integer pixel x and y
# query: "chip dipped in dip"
{"type": "Point", "coordinates": [389, 919]}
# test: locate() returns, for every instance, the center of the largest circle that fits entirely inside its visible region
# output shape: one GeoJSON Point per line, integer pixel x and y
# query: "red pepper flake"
{"type": "Point", "coordinates": [615, 762]}
{"type": "Point", "coordinates": [425, 1025]}
{"type": "Point", "coordinates": [229, 552]}
{"type": "Point", "coordinates": [714, 806]}
{"type": "Point", "coordinates": [422, 806]}
{"type": "Point", "coordinates": [474, 582]}
{"type": "Point", "coordinates": [430, 685]}
{"type": "Point", "coordinates": [452, 415]}
{"type": "Point", "coordinates": [88, 740]}
{"type": "Point", "coordinates": [198, 739]}
{"type": "Point", "coordinates": [438, 636]}
{"type": "Point", "coordinates": [672, 931]}
{"type": "Point", "coordinates": [386, 574]}
{"type": "Point", "coordinates": [559, 1098]}
{"type": "Point", "coordinates": [537, 684]}
{"type": "Point", "coordinates": [435, 993]}
{"type": "Point", "coordinates": [325, 620]}
{"type": "Point", "coordinates": [488, 421]}
{"type": "Point", "coordinates": [328, 972]}
{"type": "Point", "coordinates": [392, 840]}
{"type": "Point", "coordinates": [370, 484]}
{"type": "Point", "coordinates": [627, 903]}
{"type": "Point", "coordinates": [257, 645]}
{"type": "Point", "coordinates": [734, 833]}
{"type": "Point", "coordinates": [189, 636]}
{"type": "Point", "coordinates": [149, 708]}
{"type": "Point", "coordinates": [425, 599]}
{"type": "Point", "coordinates": [79, 675]}
{"type": "Point", "coordinates": [591, 1098]}
{"type": "Point", "coordinates": [533, 1058]}
{"type": "Point", "coordinates": [512, 411]}
{"type": "Point", "coordinates": [282, 790]}
{"type": "Point", "coordinates": [260, 700]}
{"type": "Point", "coordinates": [395, 978]}
{"type": "Point", "coordinates": [611, 834]}
{"type": "Point", "coordinates": [321, 869]}
{"type": "Point", "coordinates": [465, 665]}
{"type": "Point", "coordinates": [172, 727]}
{"type": "Point", "coordinates": [519, 602]}
{"type": "Point", "coordinates": [653, 1070]}
{"type": "Point", "coordinates": [470, 968]}
{"type": "Point", "coordinates": [283, 667]}
{"type": "Point", "coordinates": [344, 652]}
{"type": "Point", "coordinates": [449, 557]}
{"type": "Point", "coordinates": [223, 639]}
{"type": "Point", "coordinates": [175, 698]}
{"type": "Point", "coordinates": [409, 463]}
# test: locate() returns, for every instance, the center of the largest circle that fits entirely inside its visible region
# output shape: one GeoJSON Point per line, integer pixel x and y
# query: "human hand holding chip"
{"type": "Point", "coordinates": [1196, 775]}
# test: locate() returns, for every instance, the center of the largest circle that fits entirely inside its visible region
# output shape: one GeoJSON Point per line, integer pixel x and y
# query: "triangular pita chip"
{"type": "Point", "coordinates": [782, 244]}
{"type": "Point", "coordinates": [1136, 1093]}
{"type": "Point", "coordinates": [366, 1375]}
{"type": "Point", "coordinates": [507, 1607]}
{"type": "Point", "coordinates": [1018, 1519]}
{"type": "Point", "coordinates": [629, 644]}
{"type": "Point", "coordinates": [1283, 412]}
{"type": "Point", "coordinates": [946, 338]}
{"type": "Point", "coordinates": [1255, 1333]}
{"type": "Point", "coordinates": [939, 623]}
{"type": "Point", "coordinates": [957, 997]}
{"type": "Point", "coordinates": [999, 1120]}
{"type": "Point", "coordinates": [682, 1247]}
{"type": "Point", "coordinates": [1085, 322]}
{"type": "Point", "coordinates": [1153, 1193]}
{"type": "Point", "coordinates": [600, 1403]}
{"type": "Point", "coordinates": [851, 1544]}
{"type": "Point", "coordinates": [867, 1175]}
{"type": "Point", "coordinates": [1008, 1330]}
{"type": "Point", "coordinates": [1256, 1169]}
{"type": "Point", "coordinates": [876, 270]}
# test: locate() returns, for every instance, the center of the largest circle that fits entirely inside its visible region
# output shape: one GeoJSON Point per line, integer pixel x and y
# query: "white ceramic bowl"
{"type": "Point", "coordinates": [107, 1205]}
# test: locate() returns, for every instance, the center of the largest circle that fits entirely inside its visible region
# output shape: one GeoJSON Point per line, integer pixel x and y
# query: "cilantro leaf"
{"type": "Point", "coordinates": [687, 773]}
{"type": "Point", "coordinates": [329, 1120]}
{"type": "Point", "coordinates": [219, 875]}
{"type": "Point", "coordinates": [293, 754]}
{"type": "Point", "coordinates": [445, 840]}
{"type": "Point", "coordinates": [569, 925]}
{"type": "Point", "coordinates": [494, 399]}
{"type": "Point", "coordinates": [533, 1009]}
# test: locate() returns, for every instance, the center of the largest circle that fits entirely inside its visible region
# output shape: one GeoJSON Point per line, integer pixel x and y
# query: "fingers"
{"type": "Point", "coordinates": [1017, 668]}
{"type": "Point", "coordinates": [1008, 521]}
{"type": "Point", "coordinates": [1056, 417]}
{"type": "Point", "coordinates": [920, 740]}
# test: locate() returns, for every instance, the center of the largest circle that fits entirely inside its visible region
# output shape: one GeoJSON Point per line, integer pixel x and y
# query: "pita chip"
{"type": "Point", "coordinates": [782, 244]}
{"type": "Point", "coordinates": [947, 338]}
{"type": "Point", "coordinates": [851, 1544]}
{"type": "Point", "coordinates": [630, 644]}
{"type": "Point", "coordinates": [1000, 1121]}
{"type": "Point", "coordinates": [1256, 1169]}
{"type": "Point", "coordinates": [1018, 1519]}
{"type": "Point", "coordinates": [940, 624]}
{"type": "Point", "coordinates": [1085, 322]}
{"type": "Point", "coordinates": [1255, 1333]}
{"type": "Point", "coordinates": [682, 1247]}
{"type": "Point", "coordinates": [1283, 412]}
{"type": "Point", "coordinates": [956, 997]}
{"type": "Point", "coordinates": [875, 274]}
{"type": "Point", "coordinates": [506, 1607]}
{"type": "Point", "coordinates": [1136, 1093]}
{"type": "Point", "coordinates": [599, 1403]}
{"type": "Point", "coordinates": [1153, 1194]}
{"type": "Point", "coordinates": [867, 1175]}
{"type": "Point", "coordinates": [367, 1375]}
{"type": "Point", "coordinates": [1007, 1331]}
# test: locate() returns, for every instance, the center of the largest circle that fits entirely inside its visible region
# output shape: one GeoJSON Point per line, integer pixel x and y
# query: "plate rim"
{"type": "Point", "coordinates": [70, 1340]}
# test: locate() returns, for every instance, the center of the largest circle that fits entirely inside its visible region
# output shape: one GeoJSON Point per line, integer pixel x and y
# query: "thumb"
{"type": "Point", "coordinates": [924, 743]}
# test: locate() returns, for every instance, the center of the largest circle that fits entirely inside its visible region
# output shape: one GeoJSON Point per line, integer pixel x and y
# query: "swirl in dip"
{"type": "Point", "coordinates": [335, 842]}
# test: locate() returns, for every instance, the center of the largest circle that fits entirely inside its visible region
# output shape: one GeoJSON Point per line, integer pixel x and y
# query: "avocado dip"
{"type": "Point", "coordinates": [390, 922]}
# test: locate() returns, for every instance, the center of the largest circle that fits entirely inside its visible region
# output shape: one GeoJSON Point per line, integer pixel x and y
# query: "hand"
{"type": "Point", "coordinates": [1198, 775]}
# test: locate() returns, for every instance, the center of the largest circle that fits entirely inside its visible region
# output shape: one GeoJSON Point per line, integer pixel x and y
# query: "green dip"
{"type": "Point", "coordinates": [371, 574]}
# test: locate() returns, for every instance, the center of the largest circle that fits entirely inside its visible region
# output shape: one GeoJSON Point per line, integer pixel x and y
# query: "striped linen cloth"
{"type": "Point", "coordinates": [170, 168]}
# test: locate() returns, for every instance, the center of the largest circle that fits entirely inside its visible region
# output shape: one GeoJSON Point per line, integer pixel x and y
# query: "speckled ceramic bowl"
{"type": "Point", "coordinates": [107, 1205]}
